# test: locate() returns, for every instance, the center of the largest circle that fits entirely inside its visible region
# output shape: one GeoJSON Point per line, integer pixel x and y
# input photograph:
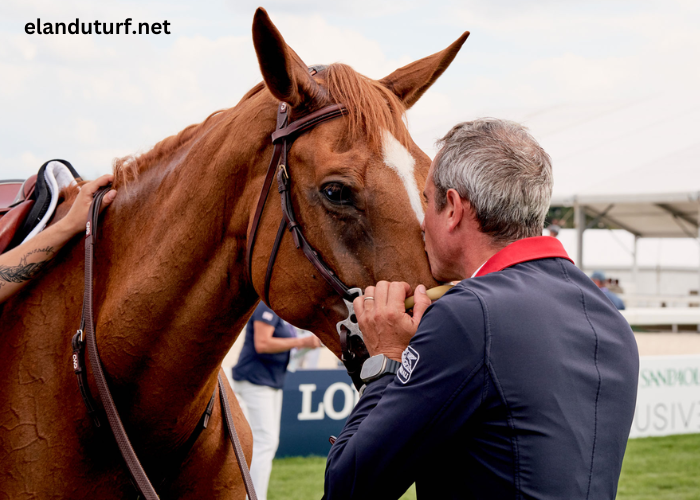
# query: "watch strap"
{"type": "Point", "coordinates": [390, 369]}
{"type": "Point", "coordinates": [390, 366]}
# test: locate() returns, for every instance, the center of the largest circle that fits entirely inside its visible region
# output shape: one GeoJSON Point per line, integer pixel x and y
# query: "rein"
{"type": "Point", "coordinates": [86, 334]}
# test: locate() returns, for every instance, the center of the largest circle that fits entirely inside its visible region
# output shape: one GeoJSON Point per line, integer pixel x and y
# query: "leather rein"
{"type": "Point", "coordinates": [86, 334]}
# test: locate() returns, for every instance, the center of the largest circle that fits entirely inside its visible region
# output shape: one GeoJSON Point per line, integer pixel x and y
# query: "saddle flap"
{"type": "Point", "coordinates": [11, 221]}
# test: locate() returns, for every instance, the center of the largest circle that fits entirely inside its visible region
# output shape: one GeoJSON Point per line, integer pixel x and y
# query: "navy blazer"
{"type": "Point", "coordinates": [518, 384]}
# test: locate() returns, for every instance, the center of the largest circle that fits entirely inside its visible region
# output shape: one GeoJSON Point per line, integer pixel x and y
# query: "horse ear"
{"type": "Point", "coordinates": [410, 82]}
{"type": "Point", "coordinates": [284, 72]}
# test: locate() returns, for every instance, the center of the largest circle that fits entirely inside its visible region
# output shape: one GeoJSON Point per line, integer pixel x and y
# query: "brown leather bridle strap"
{"type": "Point", "coordinates": [282, 138]}
{"type": "Point", "coordinates": [136, 471]}
{"type": "Point", "coordinates": [282, 117]}
{"type": "Point", "coordinates": [308, 122]}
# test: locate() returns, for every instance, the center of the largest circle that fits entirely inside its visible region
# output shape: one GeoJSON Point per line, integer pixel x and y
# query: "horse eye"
{"type": "Point", "coordinates": [337, 193]}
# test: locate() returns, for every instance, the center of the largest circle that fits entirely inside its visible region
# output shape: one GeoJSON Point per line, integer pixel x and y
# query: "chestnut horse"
{"type": "Point", "coordinates": [172, 290]}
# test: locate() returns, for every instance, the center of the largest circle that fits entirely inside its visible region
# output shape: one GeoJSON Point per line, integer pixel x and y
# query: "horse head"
{"type": "Point", "coordinates": [356, 182]}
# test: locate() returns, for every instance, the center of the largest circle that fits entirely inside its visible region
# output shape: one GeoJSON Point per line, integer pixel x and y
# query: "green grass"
{"type": "Point", "coordinates": [296, 478]}
{"type": "Point", "coordinates": [302, 479]}
{"type": "Point", "coordinates": [665, 468]}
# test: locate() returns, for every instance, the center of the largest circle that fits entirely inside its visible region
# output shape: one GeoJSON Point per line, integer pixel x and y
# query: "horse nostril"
{"type": "Point", "coordinates": [353, 318]}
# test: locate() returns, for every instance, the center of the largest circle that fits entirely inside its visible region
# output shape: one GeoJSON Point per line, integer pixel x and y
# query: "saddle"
{"type": "Point", "coordinates": [34, 202]}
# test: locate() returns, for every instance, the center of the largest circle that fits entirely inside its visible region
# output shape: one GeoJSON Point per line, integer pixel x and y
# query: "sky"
{"type": "Point", "coordinates": [92, 98]}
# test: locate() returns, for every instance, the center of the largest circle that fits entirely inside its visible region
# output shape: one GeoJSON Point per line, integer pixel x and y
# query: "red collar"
{"type": "Point", "coordinates": [537, 247]}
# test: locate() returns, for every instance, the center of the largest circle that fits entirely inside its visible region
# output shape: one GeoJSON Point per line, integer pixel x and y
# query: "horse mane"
{"type": "Point", "coordinates": [128, 168]}
{"type": "Point", "coordinates": [372, 109]}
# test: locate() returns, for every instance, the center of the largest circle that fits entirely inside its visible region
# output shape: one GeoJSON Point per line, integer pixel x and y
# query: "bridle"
{"type": "Point", "coordinates": [282, 138]}
{"type": "Point", "coordinates": [352, 344]}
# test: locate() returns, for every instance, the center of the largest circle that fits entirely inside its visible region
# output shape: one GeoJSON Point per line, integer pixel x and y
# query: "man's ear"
{"type": "Point", "coordinates": [410, 82]}
{"type": "Point", "coordinates": [285, 74]}
{"type": "Point", "coordinates": [455, 205]}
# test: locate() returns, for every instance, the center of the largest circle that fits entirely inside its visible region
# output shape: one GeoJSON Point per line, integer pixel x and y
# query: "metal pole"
{"type": "Point", "coordinates": [580, 225]}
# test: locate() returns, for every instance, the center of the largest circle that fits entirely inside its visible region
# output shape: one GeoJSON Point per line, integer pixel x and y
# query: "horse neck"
{"type": "Point", "coordinates": [175, 294]}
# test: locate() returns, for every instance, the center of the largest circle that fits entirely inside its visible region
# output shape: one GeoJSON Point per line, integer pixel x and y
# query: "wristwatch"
{"type": "Point", "coordinates": [377, 366]}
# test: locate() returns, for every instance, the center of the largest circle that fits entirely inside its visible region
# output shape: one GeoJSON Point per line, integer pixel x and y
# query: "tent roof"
{"type": "Point", "coordinates": [648, 220]}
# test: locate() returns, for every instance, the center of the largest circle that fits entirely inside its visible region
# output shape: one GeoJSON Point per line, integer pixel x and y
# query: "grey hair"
{"type": "Point", "coordinates": [502, 171]}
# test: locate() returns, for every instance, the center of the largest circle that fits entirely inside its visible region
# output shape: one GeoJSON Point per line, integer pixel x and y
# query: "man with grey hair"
{"type": "Point", "coordinates": [520, 382]}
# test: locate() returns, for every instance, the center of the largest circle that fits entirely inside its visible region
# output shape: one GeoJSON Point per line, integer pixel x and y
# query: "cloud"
{"type": "Point", "coordinates": [359, 8]}
{"type": "Point", "coordinates": [80, 95]}
{"type": "Point", "coordinates": [87, 96]}
{"type": "Point", "coordinates": [574, 51]}
{"type": "Point", "coordinates": [76, 94]}
{"type": "Point", "coordinates": [328, 43]}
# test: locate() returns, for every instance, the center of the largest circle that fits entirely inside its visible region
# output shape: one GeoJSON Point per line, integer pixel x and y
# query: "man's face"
{"type": "Point", "coordinates": [433, 230]}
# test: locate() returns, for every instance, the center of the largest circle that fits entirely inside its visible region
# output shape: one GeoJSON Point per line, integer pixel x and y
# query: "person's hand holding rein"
{"type": "Point", "coordinates": [26, 261]}
{"type": "Point", "coordinates": [75, 219]}
{"type": "Point", "coordinates": [386, 327]}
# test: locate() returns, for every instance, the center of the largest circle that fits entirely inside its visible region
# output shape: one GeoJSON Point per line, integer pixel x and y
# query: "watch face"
{"type": "Point", "coordinates": [372, 367]}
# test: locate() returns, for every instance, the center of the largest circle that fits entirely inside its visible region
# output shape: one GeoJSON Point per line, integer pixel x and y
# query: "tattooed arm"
{"type": "Point", "coordinates": [23, 263]}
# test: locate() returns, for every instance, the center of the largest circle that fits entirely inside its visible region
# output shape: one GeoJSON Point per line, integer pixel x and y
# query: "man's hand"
{"type": "Point", "coordinates": [385, 326]}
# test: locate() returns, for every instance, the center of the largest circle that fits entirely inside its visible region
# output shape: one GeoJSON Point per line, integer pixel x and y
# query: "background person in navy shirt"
{"type": "Point", "coordinates": [598, 278]}
{"type": "Point", "coordinates": [520, 382]}
{"type": "Point", "coordinates": [258, 378]}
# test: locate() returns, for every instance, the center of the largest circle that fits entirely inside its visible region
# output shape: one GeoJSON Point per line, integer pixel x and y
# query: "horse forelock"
{"type": "Point", "coordinates": [372, 108]}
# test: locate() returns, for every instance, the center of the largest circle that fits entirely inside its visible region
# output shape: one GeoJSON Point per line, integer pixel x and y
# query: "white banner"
{"type": "Point", "coordinates": [668, 397]}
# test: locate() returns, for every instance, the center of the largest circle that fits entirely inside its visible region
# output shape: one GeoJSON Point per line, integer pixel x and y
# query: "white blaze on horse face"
{"type": "Point", "coordinates": [397, 157]}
